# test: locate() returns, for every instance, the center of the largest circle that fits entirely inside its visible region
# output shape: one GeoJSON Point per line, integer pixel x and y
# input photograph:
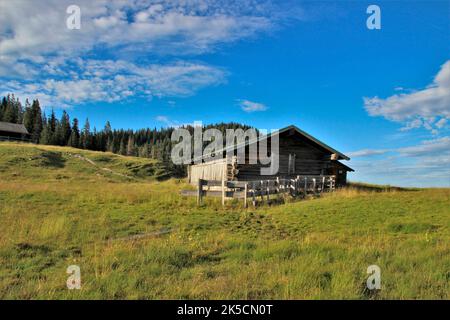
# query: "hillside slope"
{"type": "Point", "coordinates": [29, 161]}
{"type": "Point", "coordinates": [136, 237]}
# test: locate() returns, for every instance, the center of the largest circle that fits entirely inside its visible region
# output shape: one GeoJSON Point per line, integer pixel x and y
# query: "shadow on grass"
{"type": "Point", "coordinates": [52, 159]}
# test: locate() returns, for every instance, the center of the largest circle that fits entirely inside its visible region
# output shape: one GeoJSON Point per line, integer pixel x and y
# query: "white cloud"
{"type": "Point", "coordinates": [250, 106]}
{"type": "Point", "coordinates": [425, 164]}
{"type": "Point", "coordinates": [145, 42]}
{"type": "Point", "coordinates": [425, 148]}
{"type": "Point", "coordinates": [164, 119]}
{"type": "Point", "coordinates": [366, 153]}
{"type": "Point", "coordinates": [171, 123]}
{"type": "Point", "coordinates": [428, 148]}
{"type": "Point", "coordinates": [110, 81]}
{"type": "Point", "coordinates": [422, 172]}
{"type": "Point", "coordinates": [176, 27]}
{"type": "Point", "coordinates": [428, 108]}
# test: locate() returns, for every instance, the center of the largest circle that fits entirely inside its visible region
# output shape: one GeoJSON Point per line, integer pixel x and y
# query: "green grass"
{"type": "Point", "coordinates": [57, 209]}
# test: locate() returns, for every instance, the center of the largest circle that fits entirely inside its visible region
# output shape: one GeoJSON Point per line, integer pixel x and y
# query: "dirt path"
{"type": "Point", "coordinates": [79, 156]}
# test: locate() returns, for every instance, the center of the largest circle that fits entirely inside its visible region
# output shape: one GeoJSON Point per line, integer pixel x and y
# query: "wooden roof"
{"type": "Point", "coordinates": [317, 141]}
{"type": "Point", "coordinates": [13, 128]}
{"type": "Point", "coordinates": [295, 129]}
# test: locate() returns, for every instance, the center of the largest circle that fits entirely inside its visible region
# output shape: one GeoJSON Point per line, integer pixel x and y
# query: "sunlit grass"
{"type": "Point", "coordinates": [58, 210]}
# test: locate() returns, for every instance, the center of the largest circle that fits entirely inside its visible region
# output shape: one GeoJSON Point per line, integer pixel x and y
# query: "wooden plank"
{"type": "Point", "coordinates": [223, 188]}
{"type": "Point", "coordinates": [245, 195]}
{"type": "Point", "coordinates": [199, 191]}
{"type": "Point", "coordinates": [253, 194]}
{"type": "Point", "coordinates": [223, 184]}
{"type": "Point", "coordinates": [305, 190]}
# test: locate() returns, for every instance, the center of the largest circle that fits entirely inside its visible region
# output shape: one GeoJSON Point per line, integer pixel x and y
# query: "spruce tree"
{"type": "Point", "coordinates": [19, 111]}
{"type": "Point", "coordinates": [10, 114]}
{"type": "Point", "coordinates": [131, 150]}
{"type": "Point", "coordinates": [52, 121]}
{"type": "Point", "coordinates": [110, 144]}
{"type": "Point", "coordinates": [52, 125]}
{"type": "Point", "coordinates": [144, 151]}
{"type": "Point", "coordinates": [2, 109]}
{"type": "Point", "coordinates": [74, 139]}
{"type": "Point", "coordinates": [46, 136]}
{"type": "Point", "coordinates": [65, 129]}
{"type": "Point", "coordinates": [86, 135]}
{"type": "Point", "coordinates": [122, 148]}
{"type": "Point", "coordinates": [58, 137]}
{"type": "Point", "coordinates": [37, 121]}
{"type": "Point", "coordinates": [28, 117]}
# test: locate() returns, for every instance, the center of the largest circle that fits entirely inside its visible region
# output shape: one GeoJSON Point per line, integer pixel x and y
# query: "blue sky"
{"type": "Point", "coordinates": [382, 96]}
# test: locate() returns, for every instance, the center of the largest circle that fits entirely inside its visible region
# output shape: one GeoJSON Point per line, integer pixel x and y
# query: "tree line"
{"type": "Point", "coordinates": [149, 143]}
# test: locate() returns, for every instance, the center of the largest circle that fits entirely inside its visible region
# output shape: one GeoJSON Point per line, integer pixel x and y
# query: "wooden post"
{"type": "Point", "coordinates": [268, 190]}
{"type": "Point", "coordinates": [224, 179]}
{"type": "Point", "coordinates": [314, 185]}
{"type": "Point", "coordinates": [323, 184]}
{"type": "Point", "coordinates": [199, 191]}
{"type": "Point", "coordinates": [253, 193]}
{"type": "Point", "coordinates": [223, 191]}
{"type": "Point", "coordinates": [306, 186]}
{"type": "Point", "coordinates": [277, 188]}
{"type": "Point", "coordinates": [245, 195]}
{"type": "Point", "coordinates": [262, 188]}
{"type": "Point", "coordinates": [290, 164]}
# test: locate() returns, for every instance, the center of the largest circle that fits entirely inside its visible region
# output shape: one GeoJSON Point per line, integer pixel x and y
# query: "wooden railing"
{"type": "Point", "coordinates": [261, 190]}
{"type": "Point", "coordinates": [12, 139]}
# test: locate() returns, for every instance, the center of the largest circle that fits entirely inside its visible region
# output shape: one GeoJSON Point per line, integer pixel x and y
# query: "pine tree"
{"type": "Point", "coordinates": [94, 140]}
{"type": "Point", "coordinates": [52, 126]}
{"type": "Point", "coordinates": [11, 112]}
{"type": "Point", "coordinates": [28, 117]}
{"type": "Point", "coordinates": [86, 135]}
{"type": "Point", "coordinates": [19, 111]}
{"type": "Point", "coordinates": [2, 108]}
{"type": "Point", "coordinates": [74, 139]}
{"type": "Point", "coordinates": [110, 144]}
{"type": "Point", "coordinates": [46, 136]}
{"type": "Point", "coordinates": [131, 150]}
{"type": "Point", "coordinates": [58, 137]}
{"type": "Point", "coordinates": [37, 121]}
{"type": "Point", "coordinates": [144, 151]}
{"type": "Point", "coordinates": [107, 128]}
{"type": "Point", "coordinates": [122, 149]}
{"type": "Point", "coordinates": [65, 128]}
{"type": "Point", "coordinates": [52, 121]}
{"type": "Point", "coordinates": [107, 138]}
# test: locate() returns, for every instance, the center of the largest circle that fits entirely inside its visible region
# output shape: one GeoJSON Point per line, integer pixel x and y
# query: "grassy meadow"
{"type": "Point", "coordinates": [135, 237]}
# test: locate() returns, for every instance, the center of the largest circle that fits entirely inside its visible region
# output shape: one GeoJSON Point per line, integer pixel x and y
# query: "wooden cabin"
{"type": "Point", "coordinates": [300, 154]}
{"type": "Point", "coordinates": [13, 131]}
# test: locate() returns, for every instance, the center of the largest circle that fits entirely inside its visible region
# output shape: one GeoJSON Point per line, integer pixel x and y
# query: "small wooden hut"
{"type": "Point", "coordinates": [13, 131]}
